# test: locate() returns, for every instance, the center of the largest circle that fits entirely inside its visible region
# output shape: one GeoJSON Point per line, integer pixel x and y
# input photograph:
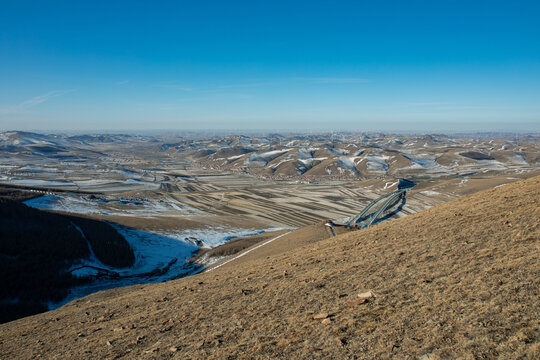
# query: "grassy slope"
{"type": "Point", "coordinates": [458, 280]}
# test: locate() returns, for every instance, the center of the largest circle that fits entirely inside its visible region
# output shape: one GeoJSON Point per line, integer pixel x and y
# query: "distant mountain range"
{"type": "Point", "coordinates": [309, 157]}
{"type": "Point", "coordinates": [356, 155]}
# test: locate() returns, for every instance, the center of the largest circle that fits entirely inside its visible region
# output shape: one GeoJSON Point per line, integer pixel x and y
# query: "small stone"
{"type": "Point", "coordinates": [356, 302]}
{"type": "Point", "coordinates": [165, 329]}
{"type": "Point", "coordinates": [339, 341]}
{"type": "Point", "coordinates": [80, 335]}
{"type": "Point", "coordinates": [200, 344]}
{"type": "Point", "coordinates": [109, 343]}
{"type": "Point", "coordinates": [138, 340]}
{"type": "Point", "coordinates": [321, 316]}
{"type": "Point", "coordinates": [173, 349]}
{"type": "Point", "coordinates": [326, 321]}
{"type": "Point", "coordinates": [366, 295]}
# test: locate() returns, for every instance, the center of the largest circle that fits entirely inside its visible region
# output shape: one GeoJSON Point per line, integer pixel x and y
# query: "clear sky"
{"type": "Point", "coordinates": [313, 65]}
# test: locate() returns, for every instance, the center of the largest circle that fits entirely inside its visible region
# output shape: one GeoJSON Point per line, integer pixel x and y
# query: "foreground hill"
{"type": "Point", "coordinates": [458, 280]}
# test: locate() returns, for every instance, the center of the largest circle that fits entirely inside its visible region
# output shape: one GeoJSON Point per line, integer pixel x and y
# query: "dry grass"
{"type": "Point", "coordinates": [236, 245]}
{"type": "Point", "coordinates": [457, 281]}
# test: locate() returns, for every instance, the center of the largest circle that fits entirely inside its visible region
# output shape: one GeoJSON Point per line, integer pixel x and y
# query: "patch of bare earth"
{"type": "Point", "coordinates": [460, 280]}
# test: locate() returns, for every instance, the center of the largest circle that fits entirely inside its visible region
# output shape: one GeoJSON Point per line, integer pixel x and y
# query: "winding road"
{"type": "Point", "coordinates": [389, 201]}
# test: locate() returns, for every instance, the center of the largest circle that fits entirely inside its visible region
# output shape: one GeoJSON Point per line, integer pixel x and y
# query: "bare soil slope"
{"type": "Point", "coordinates": [460, 280]}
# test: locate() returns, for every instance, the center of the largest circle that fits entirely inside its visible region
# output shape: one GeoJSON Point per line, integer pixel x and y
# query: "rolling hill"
{"type": "Point", "coordinates": [460, 280]}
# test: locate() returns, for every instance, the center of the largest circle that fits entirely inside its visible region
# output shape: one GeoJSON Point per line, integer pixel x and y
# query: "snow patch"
{"type": "Point", "coordinates": [236, 157]}
{"type": "Point", "coordinates": [430, 193]}
{"type": "Point", "coordinates": [338, 151]}
{"type": "Point", "coordinates": [377, 163]}
{"type": "Point", "coordinates": [389, 185]}
{"type": "Point", "coordinates": [348, 162]}
{"type": "Point", "coordinates": [40, 183]}
{"type": "Point", "coordinates": [518, 159]}
{"type": "Point", "coordinates": [264, 158]}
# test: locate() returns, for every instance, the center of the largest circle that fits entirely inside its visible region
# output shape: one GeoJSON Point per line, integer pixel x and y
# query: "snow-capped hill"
{"type": "Point", "coordinates": [22, 138]}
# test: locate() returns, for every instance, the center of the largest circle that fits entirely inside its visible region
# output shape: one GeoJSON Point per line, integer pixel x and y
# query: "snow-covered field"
{"type": "Point", "coordinates": [124, 207]}
{"type": "Point", "coordinates": [158, 257]}
{"type": "Point", "coordinates": [86, 185]}
{"type": "Point", "coordinates": [429, 193]}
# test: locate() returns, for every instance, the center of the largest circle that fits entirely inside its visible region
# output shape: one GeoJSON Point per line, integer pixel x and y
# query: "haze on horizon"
{"type": "Point", "coordinates": [314, 65]}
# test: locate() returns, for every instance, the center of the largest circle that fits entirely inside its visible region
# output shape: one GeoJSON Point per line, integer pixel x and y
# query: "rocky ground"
{"type": "Point", "coordinates": [459, 280]}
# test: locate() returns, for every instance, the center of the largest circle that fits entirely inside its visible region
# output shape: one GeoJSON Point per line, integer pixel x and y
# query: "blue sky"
{"type": "Point", "coordinates": [312, 65]}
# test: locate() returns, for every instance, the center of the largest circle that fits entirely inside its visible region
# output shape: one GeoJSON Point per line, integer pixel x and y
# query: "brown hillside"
{"type": "Point", "coordinates": [457, 281]}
